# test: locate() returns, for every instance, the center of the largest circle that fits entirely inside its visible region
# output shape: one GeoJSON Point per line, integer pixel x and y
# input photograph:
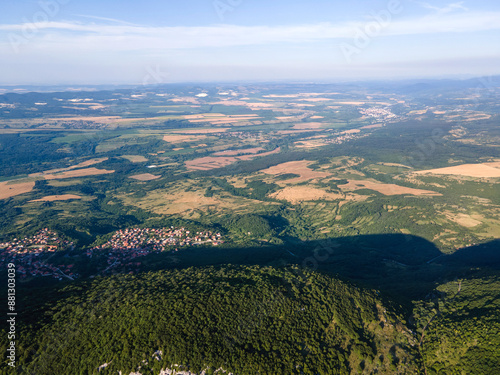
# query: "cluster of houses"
{"type": "Point", "coordinates": [344, 138]}
{"type": "Point", "coordinates": [126, 245]}
{"type": "Point", "coordinates": [32, 267]}
{"type": "Point", "coordinates": [31, 255]}
{"type": "Point", "coordinates": [378, 113]}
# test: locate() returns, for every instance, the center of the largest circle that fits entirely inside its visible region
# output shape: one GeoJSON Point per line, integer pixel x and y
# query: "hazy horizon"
{"type": "Point", "coordinates": [59, 42]}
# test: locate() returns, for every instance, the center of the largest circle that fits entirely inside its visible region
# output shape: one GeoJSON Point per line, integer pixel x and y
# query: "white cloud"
{"type": "Point", "coordinates": [442, 10]}
{"type": "Point", "coordinates": [125, 37]}
{"type": "Point", "coordinates": [106, 19]}
{"type": "Point", "coordinates": [61, 40]}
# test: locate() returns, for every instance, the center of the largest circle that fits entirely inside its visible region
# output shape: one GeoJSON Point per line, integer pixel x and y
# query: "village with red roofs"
{"type": "Point", "coordinates": [32, 255]}
{"type": "Point", "coordinates": [29, 255]}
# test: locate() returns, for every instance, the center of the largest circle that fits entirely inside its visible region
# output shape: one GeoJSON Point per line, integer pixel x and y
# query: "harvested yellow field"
{"type": "Point", "coordinates": [372, 126]}
{"type": "Point", "coordinates": [135, 158]}
{"type": "Point", "coordinates": [225, 119]}
{"type": "Point", "coordinates": [91, 105]}
{"type": "Point", "coordinates": [259, 105]}
{"type": "Point", "coordinates": [213, 162]}
{"type": "Point", "coordinates": [202, 115]}
{"type": "Point", "coordinates": [300, 167]}
{"type": "Point", "coordinates": [484, 170]}
{"type": "Point", "coordinates": [287, 118]}
{"type": "Point", "coordinates": [316, 99]}
{"type": "Point", "coordinates": [250, 157]}
{"type": "Point", "coordinates": [352, 103]}
{"type": "Point", "coordinates": [303, 94]}
{"type": "Point", "coordinates": [145, 177]}
{"type": "Point", "coordinates": [187, 203]}
{"type": "Point", "coordinates": [209, 162]}
{"type": "Point", "coordinates": [310, 144]}
{"type": "Point", "coordinates": [298, 131]}
{"type": "Point", "coordinates": [239, 152]}
{"type": "Point", "coordinates": [302, 105]}
{"type": "Point", "coordinates": [477, 117]}
{"type": "Point", "coordinates": [101, 119]}
{"type": "Point", "coordinates": [77, 173]}
{"type": "Point", "coordinates": [308, 125]}
{"type": "Point", "coordinates": [386, 189]}
{"type": "Point", "coordinates": [97, 106]}
{"type": "Point", "coordinates": [395, 165]}
{"type": "Point", "coordinates": [232, 120]}
{"type": "Point", "coordinates": [80, 165]}
{"type": "Point", "coordinates": [282, 96]}
{"type": "Point", "coordinates": [9, 189]}
{"type": "Point", "coordinates": [183, 138]}
{"type": "Point", "coordinates": [297, 194]}
{"type": "Point", "coordinates": [495, 164]}
{"type": "Point", "coordinates": [464, 220]}
{"type": "Point", "coordinates": [88, 162]}
{"type": "Point", "coordinates": [215, 116]}
{"type": "Point", "coordinates": [201, 131]}
{"type": "Point", "coordinates": [53, 198]}
{"type": "Point", "coordinates": [231, 102]}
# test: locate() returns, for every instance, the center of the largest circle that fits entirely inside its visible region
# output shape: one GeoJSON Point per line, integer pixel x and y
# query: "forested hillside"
{"type": "Point", "coordinates": [246, 320]}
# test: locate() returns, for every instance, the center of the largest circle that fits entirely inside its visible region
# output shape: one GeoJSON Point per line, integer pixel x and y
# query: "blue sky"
{"type": "Point", "coordinates": [131, 42]}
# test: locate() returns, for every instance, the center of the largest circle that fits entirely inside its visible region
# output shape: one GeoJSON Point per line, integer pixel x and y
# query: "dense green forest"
{"type": "Point", "coordinates": [464, 334]}
{"type": "Point", "coordinates": [246, 320]}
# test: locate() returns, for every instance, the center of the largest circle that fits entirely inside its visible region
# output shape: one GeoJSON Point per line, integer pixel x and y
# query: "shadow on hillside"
{"type": "Point", "coordinates": [484, 255]}
{"type": "Point", "coordinates": [401, 266]}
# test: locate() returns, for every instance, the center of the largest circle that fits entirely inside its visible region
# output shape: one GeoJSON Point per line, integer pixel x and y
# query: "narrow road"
{"type": "Point", "coordinates": [63, 274]}
{"type": "Point", "coordinates": [116, 261]}
{"type": "Point", "coordinates": [427, 325]}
